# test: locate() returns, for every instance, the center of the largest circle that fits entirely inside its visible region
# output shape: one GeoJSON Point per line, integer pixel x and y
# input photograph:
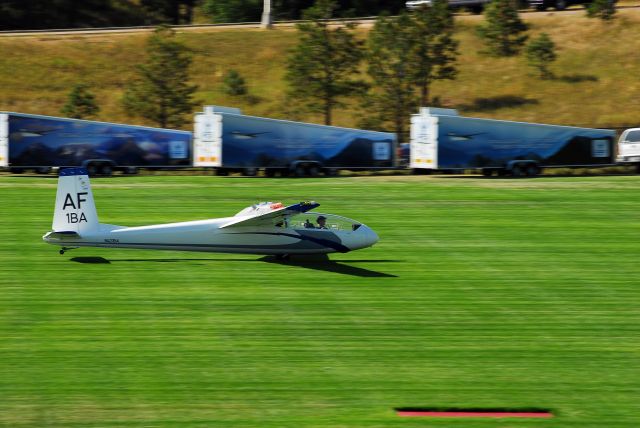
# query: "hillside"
{"type": "Point", "coordinates": [596, 85]}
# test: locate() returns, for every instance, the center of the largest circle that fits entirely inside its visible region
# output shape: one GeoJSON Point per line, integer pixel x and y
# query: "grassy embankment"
{"type": "Point", "coordinates": [597, 81]}
{"type": "Point", "coordinates": [481, 293]}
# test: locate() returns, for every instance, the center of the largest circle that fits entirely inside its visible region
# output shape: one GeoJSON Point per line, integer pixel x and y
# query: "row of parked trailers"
{"type": "Point", "coordinates": [226, 140]}
{"type": "Point", "coordinates": [223, 139]}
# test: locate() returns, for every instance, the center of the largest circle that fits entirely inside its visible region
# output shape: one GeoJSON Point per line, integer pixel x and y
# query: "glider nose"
{"type": "Point", "coordinates": [367, 237]}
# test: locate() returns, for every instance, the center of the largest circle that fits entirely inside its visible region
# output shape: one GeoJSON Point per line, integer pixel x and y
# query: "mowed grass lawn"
{"type": "Point", "coordinates": [481, 293]}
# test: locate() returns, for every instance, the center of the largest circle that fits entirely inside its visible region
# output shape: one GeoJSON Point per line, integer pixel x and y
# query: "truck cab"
{"type": "Point", "coordinates": [629, 147]}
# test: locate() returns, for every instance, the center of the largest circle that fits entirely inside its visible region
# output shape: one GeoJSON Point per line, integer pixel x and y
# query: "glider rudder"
{"type": "Point", "coordinates": [75, 210]}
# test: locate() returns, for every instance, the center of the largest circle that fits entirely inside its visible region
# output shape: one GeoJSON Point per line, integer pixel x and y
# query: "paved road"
{"type": "Point", "coordinates": [364, 22]}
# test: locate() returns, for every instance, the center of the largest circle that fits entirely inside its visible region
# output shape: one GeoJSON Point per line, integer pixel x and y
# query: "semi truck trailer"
{"type": "Point", "coordinates": [441, 139]}
{"type": "Point", "coordinates": [40, 143]}
{"type": "Point", "coordinates": [229, 141]}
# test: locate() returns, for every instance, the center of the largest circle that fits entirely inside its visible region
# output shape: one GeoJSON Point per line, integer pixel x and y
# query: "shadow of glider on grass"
{"type": "Point", "coordinates": [265, 228]}
{"type": "Point", "coordinates": [320, 263]}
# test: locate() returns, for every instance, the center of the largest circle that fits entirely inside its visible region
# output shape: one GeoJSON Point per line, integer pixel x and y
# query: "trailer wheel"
{"type": "Point", "coordinates": [283, 172]}
{"type": "Point", "coordinates": [314, 171]}
{"type": "Point", "coordinates": [487, 172]}
{"type": "Point", "coordinates": [270, 172]}
{"type": "Point", "coordinates": [106, 170]}
{"type": "Point", "coordinates": [250, 172]}
{"type": "Point", "coordinates": [517, 171]}
{"type": "Point", "coordinates": [330, 172]}
{"type": "Point", "coordinates": [532, 170]}
{"type": "Point", "coordinates": [16, 170]}
{"type": "Point", "coordinates": [300, 171]}
{"type": "Point", "coordinates": [131, 170]}
{"type": "Point", "coordinates": [92, 170]}
{"type": "Point", "coordinates": [43, 170]}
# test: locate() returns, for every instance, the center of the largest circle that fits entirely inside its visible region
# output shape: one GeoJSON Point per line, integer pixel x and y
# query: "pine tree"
{"type": "Point", "coordinates": [390, 46]}
{"type": "Point", "coordinates": [540, 54]}
{"type": "Point", "coordinates": [321, 68]}
{"type": "Point", "coordinates": [169, 11]}
{"type": "Point", "coordinates": [234, 84]}
{"type": "Point", "coordinates": [503, 30]}
{"type": "Point", "coordinates": [434, 49]}
{"type": "Point", "coordinates": [603, 9]}
{"type": "Point", "coordinates": [161, 93]}
{"type": "Point", "coordinates": [233, 10]}
{"type": "Point", "coordinates": [81, 103]}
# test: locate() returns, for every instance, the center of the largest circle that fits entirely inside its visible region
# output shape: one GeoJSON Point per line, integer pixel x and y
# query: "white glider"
{"type": "Point", "coordinates": [264, 228]}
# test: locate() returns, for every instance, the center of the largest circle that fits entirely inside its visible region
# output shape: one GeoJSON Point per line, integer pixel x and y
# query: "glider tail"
{"type": "Point", "coordinates": [75, 210]}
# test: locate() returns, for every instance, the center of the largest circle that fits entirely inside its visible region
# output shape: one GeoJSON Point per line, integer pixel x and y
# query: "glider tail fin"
{"type": "Point", "coordinates": [75, 210]}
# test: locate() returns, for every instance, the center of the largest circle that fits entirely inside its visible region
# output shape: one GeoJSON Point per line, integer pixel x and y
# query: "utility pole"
{"type": "Point", "coordinates": [267, 20]}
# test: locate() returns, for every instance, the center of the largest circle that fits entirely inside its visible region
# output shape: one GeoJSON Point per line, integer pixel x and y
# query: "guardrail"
{"type": "Point", "coordinates": [144, 28]}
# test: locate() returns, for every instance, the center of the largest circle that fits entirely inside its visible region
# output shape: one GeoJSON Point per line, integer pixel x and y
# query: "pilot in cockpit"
{"type": "Point", "coordinates": [322, 221]}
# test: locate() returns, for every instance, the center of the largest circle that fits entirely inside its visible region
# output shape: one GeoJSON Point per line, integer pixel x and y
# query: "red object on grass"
{"type": "Point", "coordinates": [472, 414]}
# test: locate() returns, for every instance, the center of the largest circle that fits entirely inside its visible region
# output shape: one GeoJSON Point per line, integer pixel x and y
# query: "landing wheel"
{"type": "Point", "coordinates": [61, 252]}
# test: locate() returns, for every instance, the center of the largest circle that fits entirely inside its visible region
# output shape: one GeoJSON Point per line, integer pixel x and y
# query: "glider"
{"type": "Point", "coordinates": [264, 228]}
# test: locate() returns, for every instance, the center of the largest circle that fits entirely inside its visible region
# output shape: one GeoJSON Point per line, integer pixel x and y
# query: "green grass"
{"type": "Point", "coordinates": [596, 82]}
{"type": "Point", "coordinates": [481, 293]}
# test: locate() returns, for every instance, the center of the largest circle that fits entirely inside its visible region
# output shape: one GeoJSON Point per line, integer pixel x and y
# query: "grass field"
{"type": "Point", "coordinates": [480, 293]}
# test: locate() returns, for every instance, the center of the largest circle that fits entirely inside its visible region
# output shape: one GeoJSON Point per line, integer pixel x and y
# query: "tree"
{"type": "Point", "coordinates": [161, 93]}
{"type": "Point", "coordinates": [233, 10]}
{"type": "Point", "coordinates": [169, 11]}
{"type": "Point", "coordinates": [391, 44]}
{"type": "Point", "coordinates": [603, 9]}
{"type": "Point", "coordinates": [38, 14]}
{"type": "Point", "coordinates": [81, 104]}
{"type": "Point", "coordinates": [540, 54]}
{"type": "Point", "coordinates": [321, 67]}
{"type": "Point", "coordinates": [234, 83]}
{"type": "Point", "coordinates": [435, 51]}
{"type": "Point", "coordinates": [503, 30]}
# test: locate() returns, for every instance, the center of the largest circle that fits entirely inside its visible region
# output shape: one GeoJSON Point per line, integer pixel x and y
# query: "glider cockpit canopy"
{"type": "Point", "coordinates": [268, 213]}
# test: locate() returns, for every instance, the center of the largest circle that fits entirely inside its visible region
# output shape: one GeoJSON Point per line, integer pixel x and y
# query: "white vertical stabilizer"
{"type": "Point", "coordinates": [75, 210]}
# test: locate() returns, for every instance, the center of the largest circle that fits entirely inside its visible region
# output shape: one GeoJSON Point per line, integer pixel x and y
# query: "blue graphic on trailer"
{"type": "Point", "coordinates": [477, 143]}
{"type": "Point", "coordinates": [272, 143]}
{"type": "Point", "coordinates": [63, 142]}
